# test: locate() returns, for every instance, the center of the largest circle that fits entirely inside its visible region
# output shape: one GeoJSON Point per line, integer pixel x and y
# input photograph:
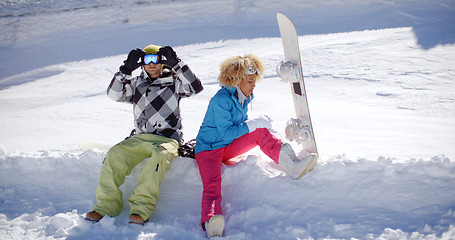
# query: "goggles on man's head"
{"type": "Point", "coordinates": [151, 58]}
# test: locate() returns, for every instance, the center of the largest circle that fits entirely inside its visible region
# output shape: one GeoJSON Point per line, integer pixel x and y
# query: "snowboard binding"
{"type": "Point", "coordinates": [287, 71]}
{"type": "Point", "coordinates": [298, 130]}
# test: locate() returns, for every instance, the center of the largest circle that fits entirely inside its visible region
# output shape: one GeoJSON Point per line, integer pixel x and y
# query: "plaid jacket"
{"type": "Point", "coordinates": [156, 102]}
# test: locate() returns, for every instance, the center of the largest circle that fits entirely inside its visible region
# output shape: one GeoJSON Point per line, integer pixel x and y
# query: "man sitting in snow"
{"type": "Point", "coordinates": [155, 95]}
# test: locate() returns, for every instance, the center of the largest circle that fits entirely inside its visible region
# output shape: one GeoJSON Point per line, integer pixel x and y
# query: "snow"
{"type": "Point", "coordinates": [380, 84]}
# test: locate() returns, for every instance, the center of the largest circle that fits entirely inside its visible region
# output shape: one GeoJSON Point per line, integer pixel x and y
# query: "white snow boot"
{"type": "Point", "coordinates": [295, 167]}
{"type": "Point", "coordinates": [215, 226]}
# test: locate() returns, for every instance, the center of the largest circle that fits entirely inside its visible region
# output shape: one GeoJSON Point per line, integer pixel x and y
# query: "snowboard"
{"type": "Point", "coordinates": [301, 128]}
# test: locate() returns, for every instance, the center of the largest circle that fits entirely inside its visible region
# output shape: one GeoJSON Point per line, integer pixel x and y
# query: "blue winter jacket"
{"type": "Point", "coordinates": [224, 120]}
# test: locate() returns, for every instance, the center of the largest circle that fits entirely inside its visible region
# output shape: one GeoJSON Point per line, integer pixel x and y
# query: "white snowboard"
{"type": "Point", "coordinates": [300, 129]}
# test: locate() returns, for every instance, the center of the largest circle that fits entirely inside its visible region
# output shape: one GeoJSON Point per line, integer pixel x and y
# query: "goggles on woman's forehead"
{"type": "Point", "coordinates": [151, 58]}
{"type": "Point", "coordinates": [252, 70]}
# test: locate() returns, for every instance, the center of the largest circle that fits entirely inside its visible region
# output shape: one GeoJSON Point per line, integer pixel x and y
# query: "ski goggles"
{"type": "Point", "coordinates": [252, 70]}
{"type": "Point", "coordinates": [151, 58]}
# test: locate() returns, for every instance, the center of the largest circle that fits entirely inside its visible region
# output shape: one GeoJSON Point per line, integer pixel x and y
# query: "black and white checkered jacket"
{"type": "Point", "coordinates": [156, 101]}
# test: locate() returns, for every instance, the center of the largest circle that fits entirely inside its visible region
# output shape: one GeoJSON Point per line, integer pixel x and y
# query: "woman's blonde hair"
{"type": "Point", "coordinates": [234, 69]}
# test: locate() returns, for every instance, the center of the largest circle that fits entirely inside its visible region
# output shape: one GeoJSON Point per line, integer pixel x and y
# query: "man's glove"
{"type": "Point", "coordinates": [132, 62]}
{"type": "Point", "coordinates": [259, 122]}
{"type": "Point", "coordinates": [168, 56]}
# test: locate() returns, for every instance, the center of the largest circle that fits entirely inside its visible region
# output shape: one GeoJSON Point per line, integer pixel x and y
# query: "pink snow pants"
{"type": "Point", "coordinates": [209, 163]}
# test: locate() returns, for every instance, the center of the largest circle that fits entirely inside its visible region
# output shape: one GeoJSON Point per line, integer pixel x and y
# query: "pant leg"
{"type": "Point", "coordinates": [209, 163]}
{"type": "Point", "coordinates": [144, 198]}
{"type": "Point", "coordinates": [261, 137]}
{"type": "Point", "coordinates": [120, 160]}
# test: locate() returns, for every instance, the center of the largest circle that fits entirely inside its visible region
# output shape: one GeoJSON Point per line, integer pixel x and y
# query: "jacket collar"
{"type": "Point", "coordinates": [235, 94]}
{"type": "Point", "coordinates": [163, 80]}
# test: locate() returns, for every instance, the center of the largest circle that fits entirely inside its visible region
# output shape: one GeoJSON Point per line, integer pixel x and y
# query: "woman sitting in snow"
{"type": "Point", "coordinates": [226, 132]}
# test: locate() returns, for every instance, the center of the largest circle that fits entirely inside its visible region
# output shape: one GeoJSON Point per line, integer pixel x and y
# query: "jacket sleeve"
{"type": "Point", "coordinates": [226, 126]}
{"type": "Point", "coordinates": [188, 83]}
{"type": "Point", "coordinates": [120, 89]}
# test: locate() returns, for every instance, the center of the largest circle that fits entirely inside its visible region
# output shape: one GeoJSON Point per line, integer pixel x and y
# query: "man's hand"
{"type": "Point", "coordinates": [132, 62]}
{"type": "Point", "coordinates": [168, 56]}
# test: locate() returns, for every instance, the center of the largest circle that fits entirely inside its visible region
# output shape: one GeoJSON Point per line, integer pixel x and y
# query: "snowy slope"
{"type": "Point", "coordinates": [36, 34]}
{"type": "Point", "coordinates": [382, 105]}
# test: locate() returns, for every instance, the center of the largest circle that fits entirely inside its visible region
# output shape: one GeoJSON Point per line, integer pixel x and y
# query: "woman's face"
{"type": "Point", "coordinates": [247, 84]}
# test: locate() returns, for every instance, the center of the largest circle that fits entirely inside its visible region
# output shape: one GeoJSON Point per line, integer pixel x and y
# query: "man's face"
{"type": "Point", "coordinates": [154, 70]}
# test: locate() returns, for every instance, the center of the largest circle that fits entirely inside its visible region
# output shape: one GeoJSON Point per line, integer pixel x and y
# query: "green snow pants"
{"type": "Point", "coordinates": [119, 162]}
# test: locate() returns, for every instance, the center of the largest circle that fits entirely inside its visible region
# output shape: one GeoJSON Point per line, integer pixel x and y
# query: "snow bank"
{"type": "Point", "coordinates": [44, 195]}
